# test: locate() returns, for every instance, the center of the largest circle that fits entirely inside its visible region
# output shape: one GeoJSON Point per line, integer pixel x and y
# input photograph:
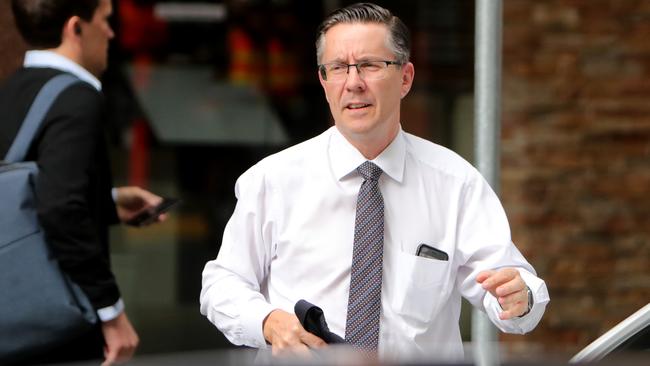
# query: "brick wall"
{"type": "Point", "coordinates": [11, 44]}
{"type": "Point", "coordinates": [576, 158]}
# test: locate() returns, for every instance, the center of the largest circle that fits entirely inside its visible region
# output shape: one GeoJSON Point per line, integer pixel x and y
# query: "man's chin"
{"type": "Point", "coordinates": [358, 130]}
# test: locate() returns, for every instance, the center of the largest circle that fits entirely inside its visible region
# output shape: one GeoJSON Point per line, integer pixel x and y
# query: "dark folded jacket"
{"type": "Point", "coordinates": [313, 320]}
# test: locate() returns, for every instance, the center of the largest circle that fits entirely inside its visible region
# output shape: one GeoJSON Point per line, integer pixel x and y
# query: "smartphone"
{"type": "Point", "coordinates": [431, 252]}
{"type": "Point", "coordinates": [148, 216]}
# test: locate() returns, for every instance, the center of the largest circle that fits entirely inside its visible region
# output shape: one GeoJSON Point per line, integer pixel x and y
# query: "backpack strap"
{"type": "Point", "coordinates": [41, 105]}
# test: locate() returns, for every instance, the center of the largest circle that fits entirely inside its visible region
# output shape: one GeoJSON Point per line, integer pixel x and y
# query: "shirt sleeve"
{"type": "Point", "coordinates": [109, 313]}
{"type": "Point", "coordinates": [484, 243]}
{"type": "Point", "coordinates": [230, 296]}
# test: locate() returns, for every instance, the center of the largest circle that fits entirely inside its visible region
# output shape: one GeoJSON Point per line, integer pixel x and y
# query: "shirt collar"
{"type": "Point", "coordinates": [53, 60]}
{"type": "Point", "coordinates": [345, 158]}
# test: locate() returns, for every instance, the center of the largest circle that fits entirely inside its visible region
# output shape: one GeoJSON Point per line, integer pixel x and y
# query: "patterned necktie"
{"type": "Point", "coordinates": [364, 303]}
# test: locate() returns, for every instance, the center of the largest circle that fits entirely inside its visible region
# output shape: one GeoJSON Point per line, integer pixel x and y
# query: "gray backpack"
{"type": "Point", "coordinates": [40, 307]}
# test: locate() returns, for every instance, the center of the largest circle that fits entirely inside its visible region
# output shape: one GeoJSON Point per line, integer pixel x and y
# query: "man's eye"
{"type": "Point", "coordinates": [337, 67]}
{"type": "Point", "coordinates": [370, 66]}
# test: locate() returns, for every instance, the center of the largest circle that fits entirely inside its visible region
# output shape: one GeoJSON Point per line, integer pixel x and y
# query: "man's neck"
{"type": "Point", "coordinates": [68, 53]}
{"type": "Point", "coordinates": [370, 146]}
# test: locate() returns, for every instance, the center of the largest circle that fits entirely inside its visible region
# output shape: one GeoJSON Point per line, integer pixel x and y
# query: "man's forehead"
{"type": "Point", "coordinates": [345, 38]}
{"type": "Point", "coordinates": [370, 29]}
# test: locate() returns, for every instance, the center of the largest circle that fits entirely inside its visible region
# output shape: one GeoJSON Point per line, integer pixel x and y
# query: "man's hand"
{"type": "Point", "coordinates": [133, 200]}
{"type": "Point", "coordinates": [509, 288]}
{"type": "Point", "coordinates": [287, 336]}
{"type": "Point", "coordinates": [120, 339]}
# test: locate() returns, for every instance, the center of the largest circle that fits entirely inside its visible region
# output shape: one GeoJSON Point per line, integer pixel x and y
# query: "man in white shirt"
{"type": "Point", "coordinates": [293, 233]}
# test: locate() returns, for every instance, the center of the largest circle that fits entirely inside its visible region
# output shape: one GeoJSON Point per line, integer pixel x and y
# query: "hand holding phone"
{"type": "Point", "coordinates": [149, 216]}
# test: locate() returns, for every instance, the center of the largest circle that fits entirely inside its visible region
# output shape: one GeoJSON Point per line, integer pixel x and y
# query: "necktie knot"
{"type": "Point", "coordinates": [369, 170]}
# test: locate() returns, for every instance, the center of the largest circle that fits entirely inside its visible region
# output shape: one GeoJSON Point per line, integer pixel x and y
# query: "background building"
{"type": "Point", "coordinates": [576, 158]}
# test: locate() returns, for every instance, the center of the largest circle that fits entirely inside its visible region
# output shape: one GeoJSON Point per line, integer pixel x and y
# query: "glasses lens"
{"type": "Point", "coordinates": [336, 71]}
{"type": "Point", "coordinates": [373, 70]}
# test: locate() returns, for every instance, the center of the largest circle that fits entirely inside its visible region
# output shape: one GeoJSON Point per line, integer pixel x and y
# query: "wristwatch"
{"type": "Point", "coordinates": [530, 301]}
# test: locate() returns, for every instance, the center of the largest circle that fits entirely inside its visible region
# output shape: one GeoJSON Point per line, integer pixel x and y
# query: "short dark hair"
{"type": "Point", "coordinates": [40, 22]}
{"type": "Point", "coordinates": [400, 39]}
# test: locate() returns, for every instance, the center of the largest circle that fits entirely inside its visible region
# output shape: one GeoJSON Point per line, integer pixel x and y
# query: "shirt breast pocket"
{"type": "Point", "coordinates": [420, 287]}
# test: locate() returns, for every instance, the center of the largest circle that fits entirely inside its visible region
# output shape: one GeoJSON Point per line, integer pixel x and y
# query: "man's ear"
{"type": "Point", "coordinates": [408, 74]}
{"type": "Point", "coordinates": [322, 83]}
{"type": "Point", "coordinates": [72, 28]}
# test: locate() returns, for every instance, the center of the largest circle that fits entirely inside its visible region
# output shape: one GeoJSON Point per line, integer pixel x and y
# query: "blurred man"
{"type": "Point", "coordinates": [381, 229]}
{"type": "Point", "coordinates": [75, 201]}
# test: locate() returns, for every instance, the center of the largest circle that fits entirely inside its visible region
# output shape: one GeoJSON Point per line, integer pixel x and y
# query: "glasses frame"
{"type": "Point", "coordinates": [323, 73]}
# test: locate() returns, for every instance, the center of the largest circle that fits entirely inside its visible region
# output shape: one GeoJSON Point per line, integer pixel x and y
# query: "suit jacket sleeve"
{"type": "Point", "coordinates": [73, 191]}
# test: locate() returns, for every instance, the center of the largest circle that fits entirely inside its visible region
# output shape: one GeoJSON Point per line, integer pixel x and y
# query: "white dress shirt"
{"type": "Point", "coordinates": [291, 236]}
{"type": "Point", "coordinates": [53, 60]}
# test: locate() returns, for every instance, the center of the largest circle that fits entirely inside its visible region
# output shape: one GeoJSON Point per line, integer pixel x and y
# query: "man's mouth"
{"type": "Point", "coordinates": [357, 105]}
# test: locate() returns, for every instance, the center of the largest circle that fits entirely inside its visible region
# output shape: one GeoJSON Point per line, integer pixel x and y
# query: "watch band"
{"type": "Point", "coordinates": [531, 300]}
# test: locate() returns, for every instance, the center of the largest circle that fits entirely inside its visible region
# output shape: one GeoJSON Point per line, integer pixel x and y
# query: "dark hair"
{"type": "Point", "coordinates": [40, 22]}
{"type": "Point", "coordinates": [399, 41]}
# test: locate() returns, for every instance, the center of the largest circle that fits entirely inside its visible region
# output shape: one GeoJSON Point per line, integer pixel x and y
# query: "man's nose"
{"type": "Point", "coordinates": [354, 79]}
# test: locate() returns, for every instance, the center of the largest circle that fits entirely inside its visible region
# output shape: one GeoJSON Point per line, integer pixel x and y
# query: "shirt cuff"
{"type": "Point", "coordinates": [526, 323]}
{"type": "Point", "coordinates": [111, 312]}
{"type": "Point", "coordinates": [252, 323]}
{"type": "Point", "coordinates": [114, 194]}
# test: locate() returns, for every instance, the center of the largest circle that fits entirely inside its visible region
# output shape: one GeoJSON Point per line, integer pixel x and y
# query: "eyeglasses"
{"type": "Point", "coordinates": [368, 70]}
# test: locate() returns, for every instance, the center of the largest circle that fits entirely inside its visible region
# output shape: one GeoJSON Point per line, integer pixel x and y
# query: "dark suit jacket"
{"type": "Point", "coordinates": [73, 188]}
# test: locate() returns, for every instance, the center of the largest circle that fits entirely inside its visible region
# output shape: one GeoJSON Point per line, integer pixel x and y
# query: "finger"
{"type": "Point", "coordinates": [144, 197]}
{"type": "Point", "coordinates": [512, 283]}
{"type": "Point", "coordinates": [160, 218]}
{"type": "Point", "coordinates": [126, 353]}
{"type": "Point", "coordinates": [513, 312]}
{"type": "Point", "coordinates": [508, 301]}
{"type": "Point", "coordinates": [154, 201]}
{"type": "Point", "coordinates": [284, 342]}
{"type": "Point", "coordinates": [312, 341]}
{"type": "Point", "coordinates": [500, 277]}
{"type": "Point", "coordinates": [302, 351]}
{"type": "Point", "coordinates": [513, 286]}
{"type": "Point", "coordinates": [151, 198]}
{"type": "Point", "coordinates": [110, 356]}
{"type": "Point", "coordinates": [484, 275]}
{"type": "Point", "coordinates": [286, 349]}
